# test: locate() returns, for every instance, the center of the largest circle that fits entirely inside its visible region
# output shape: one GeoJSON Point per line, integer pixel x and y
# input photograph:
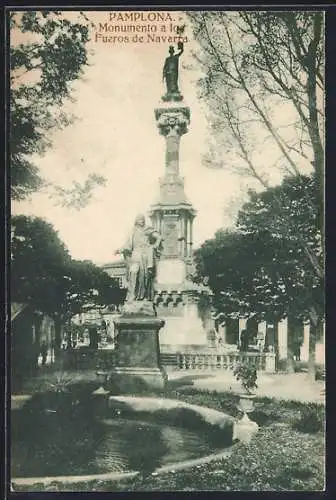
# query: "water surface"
{"type": "Point", "coordinates": [111, 445]}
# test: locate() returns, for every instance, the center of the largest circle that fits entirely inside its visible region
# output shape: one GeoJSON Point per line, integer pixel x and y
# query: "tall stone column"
{"type": "Point", "coordinates": [185, 248]}
{"type": "Point", "coordinates": [242, 326]}
{"type": "Point", "coordinates": [304, 351]}
{"type": "Point", "coordinates": [222, 332]}
{"type": "Point", "coordinates": [320, 348]}
{"type": "Point", "coordinates": [172, 123]}
{"type": "Point", "coordinates": [283, 339]}
{"type": "Point", "coordinates": [262, 327]}
{"type": "Point", "coordinates": [191, 237]}
{"type": "Point", "coordinates": [185, 324]}
{"type": "Point", "coordinates": [188, 236]}
{"type": "Point", "coordinates": [173, 208]}
{"type": "Point", "coordinates": [172, 150]}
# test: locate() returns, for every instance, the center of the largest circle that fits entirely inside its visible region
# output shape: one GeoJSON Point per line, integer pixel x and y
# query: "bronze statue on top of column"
{"type": "Point", "coordinates": [170, 74]}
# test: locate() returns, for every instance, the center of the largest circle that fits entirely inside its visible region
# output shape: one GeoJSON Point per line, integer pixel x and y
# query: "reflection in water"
{"type": "Point", "coordinates": [137, 445]}
{"type": "Point", "coordinates": [114, 445]}
{"type": "Point", "coordinates": [130, 445]}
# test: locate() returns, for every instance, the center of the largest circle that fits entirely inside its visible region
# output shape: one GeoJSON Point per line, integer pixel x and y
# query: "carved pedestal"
{"type": "Point", "coordinates": [138, 349]}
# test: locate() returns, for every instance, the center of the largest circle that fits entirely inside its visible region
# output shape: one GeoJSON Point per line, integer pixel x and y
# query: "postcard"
{"type": "Point", "coordinates": [167, 326]}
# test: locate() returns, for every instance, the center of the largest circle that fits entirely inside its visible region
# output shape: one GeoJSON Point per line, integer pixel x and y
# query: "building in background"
{"type": "Point", "coordinates": [117, 269]}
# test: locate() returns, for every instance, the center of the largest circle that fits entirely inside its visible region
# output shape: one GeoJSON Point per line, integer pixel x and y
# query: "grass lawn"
{"type": "Point", "coordinates": [286, 454]}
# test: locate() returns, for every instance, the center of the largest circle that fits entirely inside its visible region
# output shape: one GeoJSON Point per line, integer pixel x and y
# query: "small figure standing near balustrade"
{"type": "Point", "coordinates": [244, 341]}
{"type": "Point", "coordinates": [44, 353]}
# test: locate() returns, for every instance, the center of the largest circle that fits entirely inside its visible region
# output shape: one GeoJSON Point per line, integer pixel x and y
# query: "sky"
{"type": "Point", "coordinates": [115, 135]}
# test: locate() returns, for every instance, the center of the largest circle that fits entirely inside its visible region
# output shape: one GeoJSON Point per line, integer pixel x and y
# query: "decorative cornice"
{"type": "Point", "coordinates": [136, 322]}
{"type": "Point", "coordinates": [162, 206]}
{"type": "Point", "coordinates": [172, 109]}
{"type": "Point", "coordinates": [172, 121]}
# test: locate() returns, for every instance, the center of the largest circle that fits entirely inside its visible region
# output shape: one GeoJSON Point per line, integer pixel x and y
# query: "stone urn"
{"type": "Point", "coordinates": [244, 429]}
{"type": "Point", "coordinates": [246, 402]}
{"type": "Point", "coordinates": [102, 376]}
{"type": "Point", "coordinates": [246, 374]}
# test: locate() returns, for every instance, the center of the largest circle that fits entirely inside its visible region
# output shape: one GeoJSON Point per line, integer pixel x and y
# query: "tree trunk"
{"type": "Point", "coordinates": [290, 360]}
{"type": "Point", "coordinates": [315, 333]}
{"type": "Point", "coordinates": [36, 347]}
{"type": "Point", "coordinates": [279, 363]}
{"type": "Point", "coordinates": [311, 358]}
{"type": "Point", "coordinates": [58, 337]}
{"type": "Point", "coordinates": [295, 334]}
{"type": "Point", "coordinates": [314, 129]}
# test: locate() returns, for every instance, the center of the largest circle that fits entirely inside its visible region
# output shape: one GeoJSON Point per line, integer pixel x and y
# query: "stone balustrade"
{"type": "Point", "coordinates": [262, 361]}
{"type": "Point", "coordinates": [106, 359]}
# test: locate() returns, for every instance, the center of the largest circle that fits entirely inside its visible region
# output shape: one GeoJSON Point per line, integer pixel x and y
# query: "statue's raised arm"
{"type": "Point", "coordinates": [180, 47]}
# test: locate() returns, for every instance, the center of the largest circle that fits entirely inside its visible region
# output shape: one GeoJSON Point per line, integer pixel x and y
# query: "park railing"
{"type": "Point", "coordinates": [105, 359]}
{"type": "Point", "coordinates": [218, 361]}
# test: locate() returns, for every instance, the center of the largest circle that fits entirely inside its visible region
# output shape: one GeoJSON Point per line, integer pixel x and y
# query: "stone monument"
{"type": "Point", "coordinates": [161, 296]}
{"type": "Point", "coordinates": [137, 329]}
{"type": "Point", "coordinates": [177, 298]}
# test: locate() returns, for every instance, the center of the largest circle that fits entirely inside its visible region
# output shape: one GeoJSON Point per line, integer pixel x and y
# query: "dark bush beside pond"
{"type": "Point", "coordinates": [311, 420]}
{"type": "Point", "coordinates": [52, 430]}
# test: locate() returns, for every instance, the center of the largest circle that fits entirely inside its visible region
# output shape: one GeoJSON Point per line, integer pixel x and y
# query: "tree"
{"type": "Point", "coordinates": [89, 287]}
{"type": "Point", "coordinates": [292, 269]}
{"type": "Point", "coordinates": [37, 256]}
{"type": "Point", "coordinates": [262, 269]}
{"type": "Point", "coordinates": [44, 275]}
{"type": "Point", "coordinates": [82, 287]}
{"type": "Point", "coordinates": [47, 54]}
{"type": "Point", "coordinates": [234, 265]}
{"type": "Point", "coordinates": [38, 259]}
{"type": "Point", "coordinates": [255, 64]}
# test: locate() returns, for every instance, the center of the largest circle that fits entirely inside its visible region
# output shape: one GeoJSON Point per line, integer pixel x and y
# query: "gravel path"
{"type": "Point", "coordinates": [293, 386]}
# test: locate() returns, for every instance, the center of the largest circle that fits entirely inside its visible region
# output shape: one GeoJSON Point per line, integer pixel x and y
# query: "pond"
{"type": "Point", "coordinates": [139, 445]}
{"type": "Point", "coordinates": [52, 443]}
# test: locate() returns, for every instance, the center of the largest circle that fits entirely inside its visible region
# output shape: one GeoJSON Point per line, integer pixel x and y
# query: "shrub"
{"type": "Point", "coordinates": [320, 372]}
{"type": "Point", "coordinates": [247, 375]}
{"type": "Point", "coordinates": [300, 366]}
{"type": "Point", "coordinates": [230, 406]}
{"type": "Point", "coordinates": [311, 420]}
{"type": "Point", "coordinates": [282, 365]}
{"type": "Point", "coordinates": [262, 417]}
